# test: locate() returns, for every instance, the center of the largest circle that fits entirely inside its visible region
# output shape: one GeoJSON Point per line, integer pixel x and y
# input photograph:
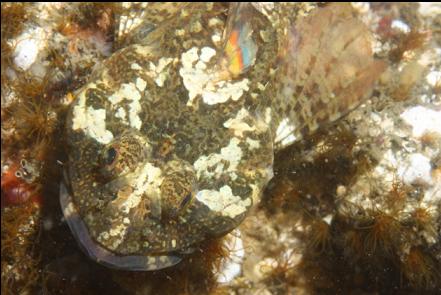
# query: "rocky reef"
{"type": "Point", "coordinates": [352, 209]}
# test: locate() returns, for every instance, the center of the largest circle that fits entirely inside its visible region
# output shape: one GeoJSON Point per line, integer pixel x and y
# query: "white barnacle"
{"type": "Point", "coordinates": [433, 77]}
{"type": "Point", "coordinates": [196, 27]}
{"type": "Point", "coordinates": [121, 114]}
{"type": "Point", "coordinates": [91, 121]}
{"type": "Point", "coordinates": [422, 120]}
{"type": "Point", "coordinates": [96, 126]}
{"type": "Point", "coordinates": [28, 46]}
{"type": "Point", "coordinates": [140, 84]}
{"type": "Point", "coordinates": [260, 86]}
{"type": "Point", "coordinates": [207, 53]}
{"type": "Point", "coordinates": [145, 182]}
{"type": "Point", "coordinates": [157, 72]}
{"type": "Point", "coordinates": [214, 164]}
{"type": "Point", "coordinates": [222, 92]}
{"type": "Point", "coordinates": [417, 169]}
{"type": "Point", "coordinates": [149, 180]}
{"type": "Point", "coordinates": [103, 236]}
{"type": "Point", "coordinates": [284, 133]}
{"type": "Point", "coordinates": [130, 92]}
{"type": "Point", "coordinates": [144, 51]}
{"type": "Point", "coordinates": [136, 67]}
{"type": "Point", "coordinates": [146, 179]}
{"type": "Point", "coordinates": [256, 193]}
{"type": "Point", "coordinates": [231, 266]}
{"type": "Point", "coordinates": [118, 232]}
{"type": "Point", "coordinates": [216, 38]}
{"type": "Point", "coordinates": [200, 65]}
{"type": "Point", "coordinates": [252, 143]}
{"type": "Point", "coordinates": [238, 125]}
{"type": "Point", "coordinates": [189, 57]}
{"type": "Point", "coordinates": [134, 109]}
{"type": "Point", "coordinates": [223, 201]}
{"type": "Point", "coordinates": [180, 32]}
{"type": "Point", "coordinates": [268, 115]}
{"type": "Point", "coordinates": [213, 22]}
{"type": "Point", "coordinates": [194, 78]}
{"type": "Point", "coordinates": [199, 80]}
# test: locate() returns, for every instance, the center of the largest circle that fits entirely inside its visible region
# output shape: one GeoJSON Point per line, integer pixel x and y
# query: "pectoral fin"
{"type": "Point", "coordinates": [326, 69]}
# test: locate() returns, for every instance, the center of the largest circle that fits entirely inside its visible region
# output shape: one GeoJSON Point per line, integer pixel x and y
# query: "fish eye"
{"type": "Point", "coordinates": [110, 156]}
{"type": "Point", "coordinates": [108, 162]}
{"type": "Point", "coordinates": [144, 31]}
{"type": "Point", "coordinates": [177, 188]}
{"type": "Point", "coordinates": [174, 211]}
{"type": "Point", "coordinates": [185, 201]}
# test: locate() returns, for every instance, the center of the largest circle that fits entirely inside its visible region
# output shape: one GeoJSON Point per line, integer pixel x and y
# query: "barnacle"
{"type": "Point", "coordinates": [398, 195]}
{"type": "Point", "coordinates": [14, 16]}
{"type": "Point", "coordinates": [353, 243]}
{"type": "Point", "coordinates": [35, 123]}
{"type": "Point", "coordinates": [361, 250]}
{"type": "Point", "coordinates": [420, 269]}
{"type": "Point", "coordinates": [424, 219]}
{"type": "Point", "coordinates": [382, 234]}
{"type": "Point", "coordinates": [281, 274]}
{"type": "Point", "coordinates": [96, 16]}
{"type": "Point", "coordinates": [91, 23]}
{"type": "Point", "coordinates": [320, 235]}
{"type": "Point", "coordinates": [20, 258]}
{"type": "Point", "coordinates": [412, 41]}
{"type": "Point", "coordinates": [431, 139]}
{"type": "Point", "coordinates": [31, 119]}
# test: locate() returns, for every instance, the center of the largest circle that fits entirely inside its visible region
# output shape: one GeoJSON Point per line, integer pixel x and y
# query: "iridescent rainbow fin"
{"type": "Point", "coordinates": [240, 49]}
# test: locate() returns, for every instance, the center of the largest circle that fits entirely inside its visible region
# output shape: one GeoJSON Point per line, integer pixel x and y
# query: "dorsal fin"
{"type": "Point", "coordinates": [135, 20]}
{"type": "Point", "coordinates": [326, 69]}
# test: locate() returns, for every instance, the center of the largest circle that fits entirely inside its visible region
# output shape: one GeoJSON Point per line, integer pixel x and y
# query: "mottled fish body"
{"type": "Point", "coordinates": [172, 140]}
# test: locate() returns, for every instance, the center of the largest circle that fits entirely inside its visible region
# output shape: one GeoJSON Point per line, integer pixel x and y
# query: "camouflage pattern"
{"type": "Point", "coordinates": [168, 146]}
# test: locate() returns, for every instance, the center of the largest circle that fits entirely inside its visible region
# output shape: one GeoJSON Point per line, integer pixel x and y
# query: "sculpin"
{"type": "Point", "coordinates": [171, 141]}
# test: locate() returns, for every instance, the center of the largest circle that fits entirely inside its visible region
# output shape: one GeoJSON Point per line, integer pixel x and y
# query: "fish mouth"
{"type": "Point", "coordinates": [100, 254]}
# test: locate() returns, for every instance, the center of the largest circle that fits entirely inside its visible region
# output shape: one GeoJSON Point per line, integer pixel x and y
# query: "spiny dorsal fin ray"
{"type": "Point", "coordinates": [327, 69]}
{"type": "Point", "coordinates": [136, 20]}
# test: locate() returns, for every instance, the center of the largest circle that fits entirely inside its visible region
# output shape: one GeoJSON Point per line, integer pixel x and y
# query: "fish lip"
{"type": "Point", "coordinates": [103, 256]}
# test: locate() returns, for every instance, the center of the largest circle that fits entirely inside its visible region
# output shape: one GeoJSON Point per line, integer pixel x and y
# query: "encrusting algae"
{"type": "Point", "coordinates": [21, 255]}
{"type": "Point", "coordinates": [353, 208]}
